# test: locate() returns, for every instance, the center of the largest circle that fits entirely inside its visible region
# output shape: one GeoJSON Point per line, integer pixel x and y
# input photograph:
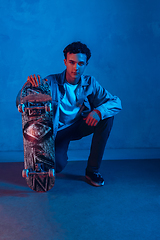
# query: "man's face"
{"type": "Point", "coordinates": [75, 66]}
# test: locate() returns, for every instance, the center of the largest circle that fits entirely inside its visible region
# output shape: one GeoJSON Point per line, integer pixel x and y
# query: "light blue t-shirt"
{"type": "Point", "coordinates": [68, 107]}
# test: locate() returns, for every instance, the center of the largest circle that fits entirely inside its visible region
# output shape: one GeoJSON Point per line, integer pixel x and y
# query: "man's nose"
{"type": "Point", "coordinates": [76, 66]}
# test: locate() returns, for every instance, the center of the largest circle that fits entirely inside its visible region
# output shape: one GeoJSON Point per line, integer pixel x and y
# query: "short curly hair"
{"type": "Point", "coordinates": [77, 47]}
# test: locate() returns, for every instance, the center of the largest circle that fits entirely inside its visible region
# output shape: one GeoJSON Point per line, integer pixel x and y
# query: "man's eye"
{"type": "Point", "coordinates": [81, 64]}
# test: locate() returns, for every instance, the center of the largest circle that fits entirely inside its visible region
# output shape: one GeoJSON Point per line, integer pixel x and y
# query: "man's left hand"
{"type": "Point", "coordinates": [93, 118]}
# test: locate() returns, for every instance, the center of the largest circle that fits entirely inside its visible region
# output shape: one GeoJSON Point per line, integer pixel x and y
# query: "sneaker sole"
{"type": "Point", "coordinates": [94, 183]}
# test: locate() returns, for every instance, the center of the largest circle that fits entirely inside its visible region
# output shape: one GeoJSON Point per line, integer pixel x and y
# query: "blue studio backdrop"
{"type": "Point", "coordinates": [124, 39]}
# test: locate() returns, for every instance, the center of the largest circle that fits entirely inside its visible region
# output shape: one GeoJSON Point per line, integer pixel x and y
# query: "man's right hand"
{"type": "Point", "coordinates": [34, 80]}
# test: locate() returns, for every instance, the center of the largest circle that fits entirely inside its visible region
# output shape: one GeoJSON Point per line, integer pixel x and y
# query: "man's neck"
{"type": "Point", "coordinates": [72, 81]}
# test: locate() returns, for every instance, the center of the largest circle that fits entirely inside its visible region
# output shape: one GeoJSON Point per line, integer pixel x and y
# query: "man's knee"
{"type": "Point", "coordinates": [110, 121]}
{"type": "Point", "coordinates": [104, 127]}
{"type": "Point", "coordinates": [107, 122]}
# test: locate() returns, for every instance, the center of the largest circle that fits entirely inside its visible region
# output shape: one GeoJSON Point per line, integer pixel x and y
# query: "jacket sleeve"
{"type": "Point", "coordinates": [105, 102]}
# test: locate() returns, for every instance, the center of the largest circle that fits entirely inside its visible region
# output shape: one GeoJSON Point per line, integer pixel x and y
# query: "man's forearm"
{"type": "Point", "coordinates": [110, 108]}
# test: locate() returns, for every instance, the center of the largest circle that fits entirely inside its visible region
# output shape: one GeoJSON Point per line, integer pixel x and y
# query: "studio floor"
{"type": "Point", "coordinates": [126, 208]}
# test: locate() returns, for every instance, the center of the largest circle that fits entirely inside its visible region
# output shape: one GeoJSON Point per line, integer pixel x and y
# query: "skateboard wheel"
{"type": "Point", "coordinates": [51, 172]}
{"type": "Point", "coordinates": [21, 108]}
{"type": "Point", "coordinates": [48, 107]}
{"type": "Point", "coordinates": [25, 173]}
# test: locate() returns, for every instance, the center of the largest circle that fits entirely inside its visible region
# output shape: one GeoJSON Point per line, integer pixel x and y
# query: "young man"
{"type": "Point", "coordinates": [81, 106]}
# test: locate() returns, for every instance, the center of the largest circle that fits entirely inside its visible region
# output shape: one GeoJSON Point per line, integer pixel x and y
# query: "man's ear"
{"type": "Point", "coordinates": [65, 60]}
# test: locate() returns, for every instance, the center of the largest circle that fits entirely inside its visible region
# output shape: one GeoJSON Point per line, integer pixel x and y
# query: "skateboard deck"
{"type": "Point", "coordinates": [38, 139]}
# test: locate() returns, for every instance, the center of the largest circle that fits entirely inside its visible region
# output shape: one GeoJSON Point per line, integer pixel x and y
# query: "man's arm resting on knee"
{"type": "Point", "coordinates": [93, 118]}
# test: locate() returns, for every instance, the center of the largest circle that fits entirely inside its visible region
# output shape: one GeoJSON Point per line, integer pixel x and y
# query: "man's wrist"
{"type": "Point", "coordinates": [98, 112]}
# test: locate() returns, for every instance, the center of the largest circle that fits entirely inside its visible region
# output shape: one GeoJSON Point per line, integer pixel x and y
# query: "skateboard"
{"type": "Point", "coordinates": [38, 140]}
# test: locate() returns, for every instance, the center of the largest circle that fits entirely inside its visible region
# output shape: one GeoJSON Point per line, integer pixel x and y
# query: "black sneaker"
{"type": "Point", "coordinates": [95, 178]}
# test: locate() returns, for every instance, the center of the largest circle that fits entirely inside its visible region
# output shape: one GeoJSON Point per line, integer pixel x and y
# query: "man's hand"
{"type": "Point", "coordinates": [35, 80]}
{"type": "Point", "coordinates": [93, 118]}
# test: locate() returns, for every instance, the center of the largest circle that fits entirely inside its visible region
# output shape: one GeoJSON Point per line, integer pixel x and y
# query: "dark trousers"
{"type": "Point", "coordinates": [77, 131]}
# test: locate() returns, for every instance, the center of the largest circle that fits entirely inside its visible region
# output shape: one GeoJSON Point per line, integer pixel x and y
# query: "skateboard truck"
{"type": "Point", "coordinates": [47, 107]}
{"type": "Point", "coordinates": [38, 171]}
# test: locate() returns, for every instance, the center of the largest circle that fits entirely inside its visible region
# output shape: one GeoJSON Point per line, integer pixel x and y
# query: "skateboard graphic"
{"type": "Point", "coordinates": [38, 140]}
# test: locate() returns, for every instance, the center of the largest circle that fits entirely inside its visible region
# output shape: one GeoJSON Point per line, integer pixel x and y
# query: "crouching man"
{"type": "Point", "coordinates": [81, 106]}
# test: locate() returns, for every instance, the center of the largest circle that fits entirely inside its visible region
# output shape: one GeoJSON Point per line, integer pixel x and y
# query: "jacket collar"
{"type": "Point", "coordinates": [62, 79]}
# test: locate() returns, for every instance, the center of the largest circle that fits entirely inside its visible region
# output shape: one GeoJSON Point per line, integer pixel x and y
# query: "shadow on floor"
{"type": "Point", "coordinates": [127, 207]}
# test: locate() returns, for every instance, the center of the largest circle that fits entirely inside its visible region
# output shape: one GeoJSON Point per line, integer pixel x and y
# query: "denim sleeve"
{"type": "Point", "coordinates": [105, 102]}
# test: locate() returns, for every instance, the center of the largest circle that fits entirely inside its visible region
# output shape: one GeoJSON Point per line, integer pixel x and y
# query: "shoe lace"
{"type": "Point", "coordinates": [98, 174]}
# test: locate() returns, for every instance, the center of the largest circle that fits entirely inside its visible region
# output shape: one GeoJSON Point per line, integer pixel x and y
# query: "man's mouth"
{"type": "Point", "coordinates": [75, 73]}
